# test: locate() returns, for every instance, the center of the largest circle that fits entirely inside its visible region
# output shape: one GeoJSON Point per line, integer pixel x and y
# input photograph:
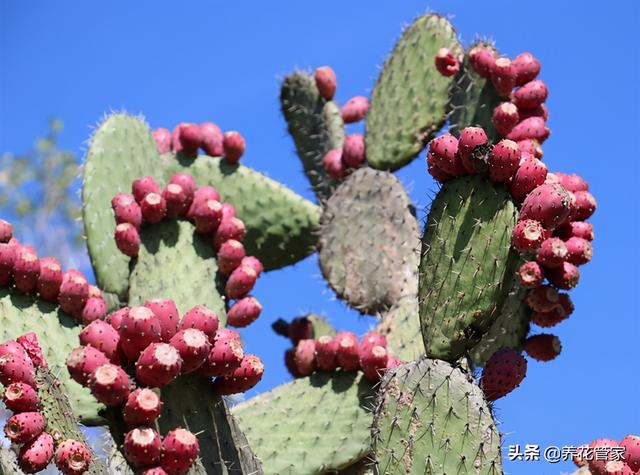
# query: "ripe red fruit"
{"type": "Point", "coordinates": [600, 446]}
{"type": "Point", "coordinates": [234, 146]}
{"type": "Point", "coordinates": [503, 76]}
{"type": "Point", "coordinates": [83, 361]}
{"type": "Point", "coordinates": [230, 228]}
{"type": "Point", "coordinates": [34, 456]}
{"type": "Point", "coordinates": [7, 259]}
{"type": "Point", "coordinates": [558, 313]}
{"type": "Point", "coordinates": [446, 63]}
{"type": "Point", "coordinates": [230, 256]}
{"type": "Point", "coordinates": [530, 128]}
{"type": "Point", "coordinates": [109, 384]}
{"type": "Point", "coordinates": [225, 356]}
{"type": "Point", "coordinates": [503, 372]}
{"type": "Point", "coordinates": [503, 161]}
{"type": "Point", "coordinates": [552, 253]}
{"type": "Point", "coordinates": [243, 378]}
{"type": "Point", "coordinates": [16, 369]}
{"type": "Point", "coordinates": [531, 146]}
{"type": "Point", "coordinates": [177, 201]}
{"type": "Point", "coordinates": [371, 339]}
{"type": "Point", "coordinates": [530, 275]}
{"type": "Point", "coordinates": [565, 277]}
{"type": "Point", "coordinates": [579, 229]}
{"type": "Point", "coordinates": [573, 182]}
{"type": "Point", "coordinates": [142, 447]}
{"type": "Point", "coordinates": [300, 328]}
{"type": "Point", "coordinates": [168, 316]}
{"type": "Point", "coordinates": [482, 60]}
{"type": "Point", "coordinates": [543, 347]}
{"type": "Point", "coordinates": [333, 165]}
{"type": "Point", "coordinates": [240, 282]}
{"type": "Point", "coordinates": [158, 365]}
{"type": "Point", "coordinates": [26, 269]}
{"type": "Point", "coordinates": [470, 138]}
{"type": "Point", "coordinates": [355, 109]}
{"type": "Point", "coordinates": [543, 298]}
{"type": "Point", "coordinates": [444, 151]}
{"type": "Point", "coordinates": [326, 82]}
{"type": "Point", "coordinates": [527, 235]}
{"type": "Point", "coordinates": [143, 406]}
{"type": "Point", "coordinates": [127, 239]}
{"type": "Point", "coordinates": [201, 318]}
{"type": "Point", "coordinates": [23, 427]}
{"type": "Point", "coordinates": [530, 174]}
{"type": "Point", "coordinates": [631, 444]}
{"type": "Point", "coordinates": [505, 117]}
{"type": "Point", "coordinates": [244, 312]}
{"type": "Point", "coordinates": [180, 449]}
{"type": "Point", "coordinates": [353, 151]}
{"type": "Point", "coordinates": [326, 353]}
{"type": "Point", "coordinates": [531, 95]}
{"type": "Point", "coordinates": [162, 138]}
{"type": "Point", "coordinates": [579, 250]}
{"type": "Point", "coordinates": [154, 208]}
{"type": "Point", "coordinates": [126, 210]}
{"type": "Point", "coordinates": [94, 309]}
{"type": "Point", "coordinates": [373, 361]}
{"type": "Point", "coordinates": [186, 182]}
{"type": "Point", "coordinates": [550, 204]}
{"type": "Point", "coordinates": [304, 357]}
{"type": "Point", "coordinates": [143, 186]}
{"type": "Point", "coordinates": [102, 336]}
{"type": "Point", "coordinates": [20, 397]}
{"type": "Point", "coordinates": [211, 139]}
{"type": "Point", "coordinates": [49, 279]}
{"type": "Point", "coordinates": [72, 457]}
{"type": "Point", "coordinates": [139, 328]}
{"type": "Point", "coordinates": [527, 68]}
{"type": "Point", "coordinates": [585, 206]}
{"type": "Point", "coordinates": [347, 351]}
{"type": "Point", "coordinates": [187, 139]}
{"type": "Point", "coordinates": [194, 348]}
{"type": "Point", "coordinates": [6, 231]}
{"type": "Point", "coordinates": [29, 341]}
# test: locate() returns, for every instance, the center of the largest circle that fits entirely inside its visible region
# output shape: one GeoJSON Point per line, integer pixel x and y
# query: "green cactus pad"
{"type": "Point", "coordinates": [432, 419]}
{"type": "Point", "coordinates": [315, 125]}
{"type": "Point", "coordinates": [369, 241]}
{"type": "Point", "coordinates": [176, 263]}
{"type": "Point", "coordinates": [279, 222]}
{"type": "Point", "coordinates": [58, 335]}
{"type": "Point", "coordinates": [467, 264]}
{"type": "Point", "coordinates": [311, 425]}
{"type": "Point", "coordinates": [409, 100]}
{"type": "Point", "coordinates": [9, 462]}
{"type": "Point", "coordinates": [401, 326]}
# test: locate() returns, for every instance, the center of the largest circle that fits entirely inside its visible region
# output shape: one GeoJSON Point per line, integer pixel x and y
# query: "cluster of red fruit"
{"type": "Point", "coordinates": [18, 361]}
{"type": "Point", "coordinates": [186, 139]}
{"type": "Point", "coordinates": [149, 204]}
{"type": "Point", "coordinates": [601, 460]}
{"type": "Point", "coordinates": [20, 267]}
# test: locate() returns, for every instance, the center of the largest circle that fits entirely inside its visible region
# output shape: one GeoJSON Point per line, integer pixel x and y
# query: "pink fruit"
{"type": "Point", "coordinates": [552, 253]}
{"type": "Point", "coordinates": [228, 211]}
{"type": "Point", "coordinates": [206, 214]}
{"type": "Point", "coordinates": [127, 239]}
{"type": "Point", "coordinates": [20, 397]}
{"type": "Point", "coordinates": [601, 452]}
{"type": "Point", "coordinates": [177, 201]}
{"type": "Point", "coordinates": [394, 362]}
{"type": "Point", "coordinates": [540, 111]}
{"type": "Point", "coordinates": [142, 447]}
{"type": "Point", "coordinates": [240, 282]}
{"type": "Point", "coordinates": [355, 109]}
{"type": "Point", "coordinates": [193, 346]}
{"type": "Point", "coordinates": [225, 356]}
{"type": "Point", "coordinates": [549, 204]}
{"type": "Point", "coordinates": [585, 205]}
{"type": "Point", "coordinates": [617, 467]}
{"type": "Point", "coordinates": [109, 384]}
{"type": "Point", "coordinates": [94, 309]}
{"type": "Point", "coordinates": [543, 347]}
{"type": "Point", "coordinates": [201, 318]}
{"type": "Point", "coordinates": [444, 150]}
{"type": "Point", "coordinates": [186, 182]}
{"type": "Point", "coordinates": [527, 68]}
{"type": "Point", "coordinates": [72, 457]}
{"type": "Point", "coordinates": [527, 235]}
{"type": "Point", "coordinates": [300, 328]}
{"type": "Point", "coordinates": [631, 444]}
{"type": "Point", "coordinates": [373, 361]}
{"type": "Point", "coordinates": [446, 63]}
{"type": "Point", "coordinates": [232, 228]}
{"type": "Point", "coordinates": [435, 171]}
{"type": "Point", "coordinates": [13, 348]}
{"type": "Point", "coordinates": [36, 455]}
{"type": "Point", "coordinates": [530, 174]}
{"type": "Point", "coordinates": [234, 146]}
{"type": "Point", "coordinates": [530, 128]}
{"type": "Point", "coordinates": [326, 353]}
{"type": "Point", "coordinates": [505, 117]}
{"type": "Point", "coordinates": [353, 151]}
{"type": "Point", "coordinates": [289, 362]}
{"type": "Point", "coordinates": [15, 369]}
{"type": "Point", "coordinates": [49, 279]}
{"type": "Point", "coordinates": [470, 138]}
{"type": "Point", "coordinates": [138, 329]}
{"type": "Point", "coordinates": [168, 316]}
{"type": "Point", "coordinates": [573, 182]}
{"type": "Point", "coordinates": [189, 139]}
{"type": "Point", "coordinates": [23, 427]}
{"type": "Point", "coordinates": [244, 312]}
{"type": "Point", "coordinates": [530, 275]}
{"type": "Point", "coordinates": [26, 269]}
{"type": "Point", "coordinates": [153, 471]}
{"type": "Point", "coordinates": [482, 60]}
{"type": "Point", "coordinates": [332, 163]}
{"type": "Point", "coordinates": [158, 365]}
{"type": "Point", "coordinates": [531, 95]}
{"type": "Point", "coordinates": [531, 146]}
{"type": "Point", "coordinates": [543, 298]}
{"type": "Point", "coordinates": [162, 138]}
{"type": "Point", "coordinates": [578, 229]}
{"type": "Point", "coordinates": [7, 259]}
{"type": "Point", "coordinates": [304, 357]}
{"type": "Point", "coordinates": [29, 341]}
{"type": "Point", "coordinates": [579, 250]}
{"type": "Point", "coordinates": [347, 351]}
{"type": "Point", "coordinates": [503, 76]}
{"type": "Point", "coordinates": [83, 361]}
{"type": "Point", "coordinates": [326, 82]}
{"type": "Point", "coordinates": [226, 333]}
{"type": "Point", "coordinates": [503, 372]}
{"type": "Point", "coordinates": [230, 255]}
{"type": "Point", "coordinates": [6, 231]}
{"type": "Point", "coordinates": [102, 336]}
{"type": "Point", "coordinates": [254, 263]}
{"type": "Point", "coordinates": [243, 378]}
{"type": "Point", "coordinates": [180, 449]}
{"type": "Point", "coordinates": [560, 312]}
{"type": "Point", "coordinates": [126, 210]}
{"type": "Point", "coordinates": [143, 406]}
{"type": "Point", "coordinates": [503, 161]}
{"type": "Point", "coordinates": [143, 186]}
{"type": "Point", "coordinates": [154, 208]}
{"type": "Point", "coordinates": [565, 277]}
{"type": "Point", "coordinates": [115, 318]}
{"type": "Point", "coordinates": [371, 339]}
{"type": "Point", "coordinates": [211, 139]}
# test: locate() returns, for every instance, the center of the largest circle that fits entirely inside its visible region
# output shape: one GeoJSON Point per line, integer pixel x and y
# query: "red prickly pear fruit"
{"type": "Point", "coordinates": [527, 235]}
{"type": "Point", "coordinates": [36, 455]}
{"type": "Point", "coordinates": [234, 146]}
{"type": "Point", "coordinates": [355, 109]}
{"type": "Point", "coordinates": [300, 328]}
{"type": "Point", "coordinates": [505, 117]}
{"type": "Point", "coordinates": [29, 341]}
{"type": "Point", "coordinates": [433, 167]}
{"type": "Point", "coordinates": [186, 182]}
{"type": "Point", "coordinates": [503, 76]}
{"type": "Point", "coordinates": [326, 353]}
{"type": "Point", "coordinates": [600, 446]}
{"type": "Point", "coordinates": [573, 182]}
{"type": "Point", "coordinates": [444, 150]}
{"type": "Point", "coordinates": [530, 275]}
{"type": "Point", "coordinates": [126, 209]}
{"type": "Point", "coordinates": [168, 316]}
{"type": "Point", "coordinates": [23, 427]}
{"type": "Point", "coordinates": [333, 165]}
{"type": "Point", "coordinates": [187, 139]}
{"type": "Point", "coordinates": [94, 309]}
{"type": "Point", "coordinates": [304, 357]}
{"type": "Point", "coordinates": [540, 111]}
{"type": "Point", "coordinates": [115, 318]}
{"type": "Point", "coordinates": [143, 186]}
{"type": "Point", "coordinates": [226, 333]}
{"type": "Point", "coordinates": [585, 205]}
{"type": "Point", "coordinates": [531, 95]}
{"type": "Point", "coordinates": [552, 253]}
{"type": "Point", "coordinates": [13, 348]}
{"type": "Point", "coordinates": [203, 319]}
{"type": "Point", "coordinates": [560, 312]}
{"type": "Point", "coordinates": [326, 82]}
{"type": "Point", "coordinates": [243, 378]}
{"type": "Point", "coordinates": [230, 255]}
{"type": "Point", "coordinates": [530, 174]}
{"type": "Point", "coordinates": [543, 298]}
{"type": "Point", "coordinates": [504, 161]}
{"type": "Point", "coordinates": [83, 361]}
{"type": "Point", "coordinates": [7, 259]}
{"type": "Point", "coordinates": [127, 239]}
{"type": "Point", "coordinates": [631, 443]}
{"type": "Point", "coordinates": [139, 328]}
{"type": "Point", "coordinates": [162, 138]}
{"type": "Point", "coordinates": [470, 138]}
{"type": "Point", "coordinates": [21, 397]}
{"type": "Point", "coordinates": [446, 63]}
{"type": "Point", "coordinates": [373, 362]}
{"type": "Point", "coordinates": [211, 139]}
{"type": "Point", "coordinates": [550, 204]}
{"type": "Point", "coordinates": [154, 208]}
{"type": "Point", "coordinates": [228, 211]}
{"type": "Point", "coordinates": [527, 68]}
{"type": "Point", "coordinates": [580, 251]}
{"type": "Point", "coordinates": [578, 229]}
{"type": "Point", "coordinates": [531, 146]}
{"type": "Point", "coordinates": [158, 365]}
{"type": "Point", "coordinates": [240, 282]}
{"type": "Point", "coordinates": [371, 339]}
{"type": "Point", "coordinates": [224, 357]}
{"type": "Point", "coordinates": [6, 231]}
{"type": "Point", "coordinates": [565, 277]}
{"type": "Point", "coordinates": [72, 457]}
{"type": "Point", "coordinates": [15, 369]}
{"type": "Point", "coordinates": [205, 193]}
{"type": "Point", "coordinates": [289, 362]}
{"type": "Point", "coordinates": [231, 228]}
{"type": "Point", "coordinates": [353, 151]}
{"type": "Point", "coordinates": [109, 384]}
{"type": "Point", "coordinates": [194, 348]}
{"type": "Point", "coordinates": [482, 60]}
{"type": "Point", "coordinates": [394, 362]}
{"type": "Point", "coordinates": [142, 447]}
{"type": "Point", "coordinates": [102, 336]}
{"type": "Point", "coordinates": [244, 312]}
{"type": "Point", "coordinates": [543, 347]}
{"type": "Point", "coordinates": [180, 449]}
{"type": "Point", "coordinates": [143, 406]}
{"type": "Point", "coordinates": [530, 128]}
{"type": "Point", "coordinates": [206, 214]}
{"type": "Point", "coordinates": [347, 352]}
{"type": "Point", "coordinates": [503, 372]}
{"type": "Point", "coordinates": [617, 467]}
{"type": "Point", "coordinates": [49, 279]}
{"type": "Point", "coordinates": [94, 291]}
{"type": "Point", "coordinates": [254, 263]}
{"type": "Point", "coordinates": [176, 200]}
{"type": "Point", "coordinates": [26, 269]}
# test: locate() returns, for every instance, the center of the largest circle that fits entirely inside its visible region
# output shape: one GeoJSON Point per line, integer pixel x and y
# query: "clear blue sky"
{"type": "Point", "coordinates": [197, 61]}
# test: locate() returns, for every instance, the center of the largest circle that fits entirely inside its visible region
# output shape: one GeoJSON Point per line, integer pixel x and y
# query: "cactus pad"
{"type": "Point", "coordinates": [467, 264]}
{"type": "Point", "coordinates": [401, 326]}
{"type": "Point", "coordinates": [409, 101]}
{"type": "Point", "coordinates": [369, 241]}
{"type": "Point", "coordinates": [430, 418]}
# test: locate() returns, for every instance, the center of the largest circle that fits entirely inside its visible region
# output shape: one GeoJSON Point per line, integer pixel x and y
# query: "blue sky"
{"type": "Point", "coordinates": [197, 61]}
